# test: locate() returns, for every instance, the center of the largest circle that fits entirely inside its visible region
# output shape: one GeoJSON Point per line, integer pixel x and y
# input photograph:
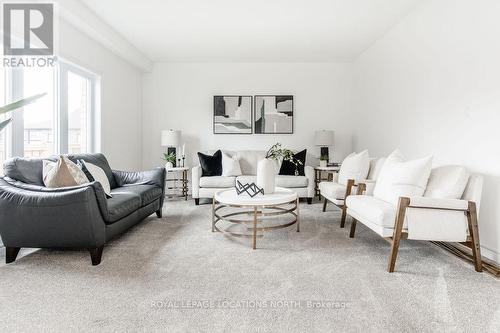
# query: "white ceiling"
{"type": "Point", "coordinates": [251, 30]}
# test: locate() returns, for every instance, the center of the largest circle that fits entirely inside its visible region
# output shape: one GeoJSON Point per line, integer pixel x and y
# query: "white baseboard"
{"type": "Point", "coordinates": [490, 254]}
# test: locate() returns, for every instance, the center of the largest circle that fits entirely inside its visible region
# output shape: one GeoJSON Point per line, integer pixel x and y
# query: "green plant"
{"type": "Point", "coordinates": [16, 105]}
{"type": "Point", "coordinates": [169, 157]}
{"type": "Point", "coordinates": [323, 158]}
{"type": "Point", "coordinates": [277, 152]}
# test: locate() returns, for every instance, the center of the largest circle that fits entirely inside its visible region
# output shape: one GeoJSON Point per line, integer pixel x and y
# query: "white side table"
{"type": "Point", "coordinates": [177, 184]}
{"type": "Point", "coordinates": [318, 176]}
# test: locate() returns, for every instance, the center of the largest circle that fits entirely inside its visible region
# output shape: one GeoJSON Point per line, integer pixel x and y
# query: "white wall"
{"type": "Point", "coordinates": [121, 92]}
{"type": "Point", "coordinates": [180, 96]}
{"type": "Point", "coordinates": [432, 86]}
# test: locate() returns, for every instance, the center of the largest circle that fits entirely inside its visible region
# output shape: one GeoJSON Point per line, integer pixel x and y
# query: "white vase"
{"type": "Point", "coordinates": [323, 163]}
{"type": "Point", "coordinates": [266, 175]}
{"type": "Point", "coordinates": [169, 165]}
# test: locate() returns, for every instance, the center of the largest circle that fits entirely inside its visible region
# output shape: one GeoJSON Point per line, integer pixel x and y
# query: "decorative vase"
{"type": "Point", "coordinates": [323, 163]}
{"type": "Point", "coordinates": [169, 165]}
{"type": "Point", "coordinates": [266, 175]}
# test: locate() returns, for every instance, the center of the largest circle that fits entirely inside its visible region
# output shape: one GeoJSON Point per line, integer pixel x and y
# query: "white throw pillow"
{"type": "Point", "coordinates": [99, 176]}
{"type": "Point", "coordinates": [401, 178]}
{"type": "Point", "coordinates": [62, 173]}
{"type": "Point", "coordinates": [230, 166]}
{"type": "Point", "coordinates": [447, 182]}
{"type": "Point", "coordinates": [355, 166]}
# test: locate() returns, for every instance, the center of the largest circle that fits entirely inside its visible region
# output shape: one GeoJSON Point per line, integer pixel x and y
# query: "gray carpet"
{"type": "Point", "coordinates": [174, 275]}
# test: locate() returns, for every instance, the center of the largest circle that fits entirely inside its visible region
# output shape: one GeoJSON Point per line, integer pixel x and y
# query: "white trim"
{"type": "Point", "coordinates": [490, 254]}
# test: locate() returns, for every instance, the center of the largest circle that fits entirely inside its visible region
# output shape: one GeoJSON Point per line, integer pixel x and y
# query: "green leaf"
{"type": "Point", "coordinates": [20, 103]}
{"type": "Point", "coordinates": [4, 123]}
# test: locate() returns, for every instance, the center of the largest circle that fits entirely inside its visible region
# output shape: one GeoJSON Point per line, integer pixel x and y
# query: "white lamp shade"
{"type": "Point", "coordinates": [323, 138]}
{"type": "Point", "coordinates": [170, 138]}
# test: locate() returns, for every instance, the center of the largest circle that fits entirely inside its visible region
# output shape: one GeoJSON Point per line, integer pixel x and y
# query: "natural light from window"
{"type": "Point", "coordinates": [39, 117]}
{"type": "Point", "coordinates": [78, 113]}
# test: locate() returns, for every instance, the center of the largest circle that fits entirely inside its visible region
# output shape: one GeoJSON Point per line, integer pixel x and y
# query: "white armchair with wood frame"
{"type": "Point", "coordinates": [446, 212]}
{"type": "Point", "coordinates": [336, 191]}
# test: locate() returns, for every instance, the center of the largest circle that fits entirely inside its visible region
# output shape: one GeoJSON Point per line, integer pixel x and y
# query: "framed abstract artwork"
{"type": "Point", "coordinates": [232, 115]}
{"type": "Point", "coordinates": [273, 114]}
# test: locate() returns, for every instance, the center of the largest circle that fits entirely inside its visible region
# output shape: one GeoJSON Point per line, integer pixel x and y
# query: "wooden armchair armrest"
{"type": "Point", "coordinates": [435, 203]}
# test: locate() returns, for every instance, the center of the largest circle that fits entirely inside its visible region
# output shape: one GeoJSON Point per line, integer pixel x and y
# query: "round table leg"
{"type": "Point", "coordinates": [213, 214]}
{"type": "Point", "coordinates": [254, 227]}
{"type": "Point", "coordinates": [297, 212]}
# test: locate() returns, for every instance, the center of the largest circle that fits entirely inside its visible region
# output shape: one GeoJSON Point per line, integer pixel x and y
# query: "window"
{"type": "Point", "coordinates": [39, 117]}
{"type": "Point", "coordinates": [62, 121]}
{"type": "Point", "coordinates": [79, 112]}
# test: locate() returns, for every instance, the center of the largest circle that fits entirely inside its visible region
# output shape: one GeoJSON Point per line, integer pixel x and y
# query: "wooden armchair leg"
{"type": "Point", "coordinates": [353, 228]}
{"type": "Point", "coordinates": [398, 228]}
{"type": "Point", "coordinates": [344, 213]}
{"type": "Point", "coordinates": [474, 234]}
{"type": "Point", "coordinates": [325, 201]}
{"type": "Point", "coordinates": [11, 254]}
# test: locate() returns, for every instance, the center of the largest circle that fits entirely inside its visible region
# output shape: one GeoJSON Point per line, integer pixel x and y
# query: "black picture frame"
{"type": "Point", "coordinates": [215, 99]}
{"type": "Point", "coordinates": [275, 96]}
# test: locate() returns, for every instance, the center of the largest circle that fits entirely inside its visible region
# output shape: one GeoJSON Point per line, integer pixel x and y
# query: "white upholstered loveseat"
{"type": "Point", "coordinates": [205, 187]}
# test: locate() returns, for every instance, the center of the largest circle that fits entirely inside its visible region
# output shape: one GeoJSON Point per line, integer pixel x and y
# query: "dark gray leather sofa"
{"type": "Point", "coordinates": [32, 215]}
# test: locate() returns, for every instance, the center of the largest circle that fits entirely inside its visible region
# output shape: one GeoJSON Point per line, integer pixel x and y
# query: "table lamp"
{"type": "Point", "coordinates": [171, 139]}
{"type": "Point", "coordinates": [324, 139]}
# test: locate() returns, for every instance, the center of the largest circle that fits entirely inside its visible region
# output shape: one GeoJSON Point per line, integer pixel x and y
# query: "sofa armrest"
{"type": "Point", "coordinates": [195, 181]}
{"type": "Point", "coordinates": [311, 181]}
{"type": "Point", "coordinates": [32, 216]}
{"type": "Point", "coordinates": [435, 203]}
{"type": "Point", "coordinates": [151, 177]}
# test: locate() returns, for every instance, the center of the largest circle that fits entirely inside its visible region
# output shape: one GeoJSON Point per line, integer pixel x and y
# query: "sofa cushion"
{"type": "Point", "coordinates": [281, 181]}
{"type": "Point", "coordinates": [447, 182]}
{"type": "Point", "coordinates": [401, 178]}
{"type": "Point", "coordinates": [355, 166]}
{"type": "Point", "coordinates": [230, 165]}
{"type": "Point", "coordinates": [249, 159]}
{"type": "Point", "coordinates": [372, 210]}
{"type": "Point", "coordinates": [332, 190]}
{"type": "Point", "coordinates": [376, 165]}
{"type": "Point", "coordinates": [291, 181]}
{"type": "Point", "coordinates": [147, 193]}
{"type": "Point", "coordinates": [211, 165]}
{"type": "Point", "coordinates": [62, 173]}
{"type": "Point", "coordinates": [98, 175]}
{"type": "Point", "coordinates": [96, 159]}
{"type": "Point", "coordinates": [122, 203]}
{"type": "Point", "coordinates": [217, 182]}
{"type": "Point", "coordinates": [26, 170]}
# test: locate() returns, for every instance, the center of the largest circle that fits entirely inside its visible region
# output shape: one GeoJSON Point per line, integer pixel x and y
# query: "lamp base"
{"type": "Point", "coordinates": [324, 151]}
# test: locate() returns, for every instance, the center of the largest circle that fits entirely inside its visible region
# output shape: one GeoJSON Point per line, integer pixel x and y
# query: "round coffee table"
{"type": "Point", "coordinates": [258, 210]}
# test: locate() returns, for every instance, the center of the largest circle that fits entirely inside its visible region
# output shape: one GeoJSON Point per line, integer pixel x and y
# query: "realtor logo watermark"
{"type": "Point", "coordinates": [205, 304]}
{"type": "Point", "coordinates": [29, 34]}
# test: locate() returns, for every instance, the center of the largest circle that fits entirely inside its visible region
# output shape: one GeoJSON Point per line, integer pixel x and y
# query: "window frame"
{"type": "Point", "coordinates": [14, 90]}
{"type": "Point", "coordinates": [64, 68]}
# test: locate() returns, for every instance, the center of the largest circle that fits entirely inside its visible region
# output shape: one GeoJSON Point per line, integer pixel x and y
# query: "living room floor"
{"type": "Point", "coordinates": [161, 264]}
